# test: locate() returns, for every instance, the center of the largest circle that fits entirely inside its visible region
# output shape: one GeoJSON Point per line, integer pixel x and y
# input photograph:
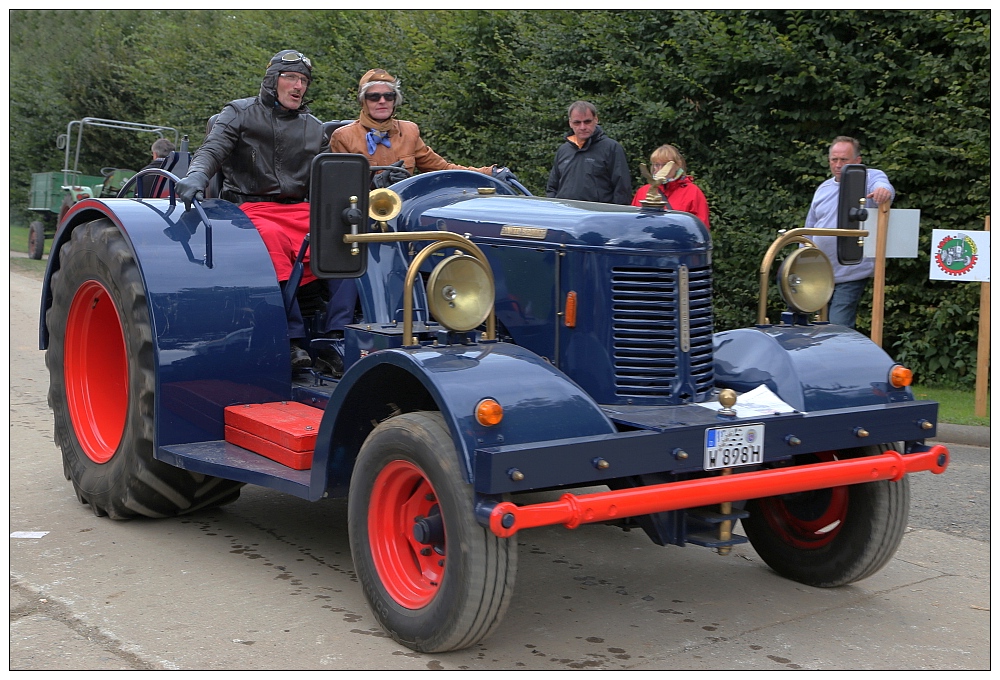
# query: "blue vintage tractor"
{"type": "Point", "coordinates": [504, 344]}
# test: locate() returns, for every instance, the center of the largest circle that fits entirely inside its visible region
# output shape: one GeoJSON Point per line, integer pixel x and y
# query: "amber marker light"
{"type": "Point", "coordinates": [570, 319]}
{"type": "Point", "coordinates": [900, 376]}
{"type": "Point", "coordinates": [489, 412]}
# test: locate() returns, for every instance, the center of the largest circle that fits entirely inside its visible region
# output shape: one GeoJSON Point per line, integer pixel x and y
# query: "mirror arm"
{"type": "Point", "coordinates": [352, 215]}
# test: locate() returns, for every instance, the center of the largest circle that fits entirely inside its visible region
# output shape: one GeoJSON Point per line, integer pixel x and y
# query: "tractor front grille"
{"type": "Point", "coordinates": [649, 337]}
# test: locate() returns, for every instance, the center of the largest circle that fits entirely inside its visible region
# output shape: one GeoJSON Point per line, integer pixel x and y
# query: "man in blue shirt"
{"type": "Point", "coordinates": [850, 280]}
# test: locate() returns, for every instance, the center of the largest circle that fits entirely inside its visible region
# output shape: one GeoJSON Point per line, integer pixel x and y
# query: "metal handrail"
{"type": "Point", "coordinates": [792, 236]}
{"type": "Point", "coordinates": [444, 239]}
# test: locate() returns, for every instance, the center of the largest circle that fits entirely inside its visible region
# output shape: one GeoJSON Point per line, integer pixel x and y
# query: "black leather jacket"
{"type": "Point", "coordinates": [264, 150]}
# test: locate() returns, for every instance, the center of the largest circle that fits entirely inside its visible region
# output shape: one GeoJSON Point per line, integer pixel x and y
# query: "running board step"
{"type": "Point", "coordinates": [229, 461]}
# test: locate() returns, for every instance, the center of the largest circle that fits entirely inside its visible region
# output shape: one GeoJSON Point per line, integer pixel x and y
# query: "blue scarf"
{"type": "Point", "coordinates": [374, 138]}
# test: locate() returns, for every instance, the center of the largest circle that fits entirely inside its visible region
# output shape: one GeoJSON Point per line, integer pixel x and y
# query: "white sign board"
{"type": "Point", "coordinates": [960, 255]}
{"type": "Point", "coordinates": [904, 228]}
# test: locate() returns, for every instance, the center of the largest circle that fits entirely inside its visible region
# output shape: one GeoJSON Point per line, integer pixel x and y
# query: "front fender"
{"type": "Point", "coordinates": [540, 403]}
{"type": "Point", "coordinates": [811, 368]}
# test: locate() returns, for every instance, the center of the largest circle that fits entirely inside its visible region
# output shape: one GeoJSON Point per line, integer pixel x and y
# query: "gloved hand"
{"type": "Point", "coordinates": [191, 187]}
{"type": "Point", "coordinates": [504, 174]}
{"type": "Point", "coordinates": [387, 178]}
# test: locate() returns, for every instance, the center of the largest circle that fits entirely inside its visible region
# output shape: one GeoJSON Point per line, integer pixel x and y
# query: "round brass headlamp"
{"type": "Point", "coordinates": [460, 292]}
{"type": "Point", "coordinates": [805, 279]}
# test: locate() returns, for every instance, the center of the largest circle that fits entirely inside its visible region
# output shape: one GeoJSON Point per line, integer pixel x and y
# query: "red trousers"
{"type": "Point", "coordinates": [282, 226]}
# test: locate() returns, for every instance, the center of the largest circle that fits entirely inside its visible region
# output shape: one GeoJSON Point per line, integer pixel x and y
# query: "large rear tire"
{"type": "Point", "coordinates": [101, 385]}
{"type": "Point", "coordinates": [831, 537]}
{"type": "Point", "coordinates": [436, 579]}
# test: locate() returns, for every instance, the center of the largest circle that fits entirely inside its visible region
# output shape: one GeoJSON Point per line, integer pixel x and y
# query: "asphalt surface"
{"type": "Point", "coordinates": [267, 583]}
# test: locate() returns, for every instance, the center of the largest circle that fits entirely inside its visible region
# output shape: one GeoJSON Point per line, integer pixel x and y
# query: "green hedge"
{"type": "Point", "coordinates": [752, 99]}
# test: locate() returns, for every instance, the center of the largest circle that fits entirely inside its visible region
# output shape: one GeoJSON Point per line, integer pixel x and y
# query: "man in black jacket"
{"type": "Point", "coordinates": [264, 146]}
{"type": "Point", "coordinates": [589, 166]}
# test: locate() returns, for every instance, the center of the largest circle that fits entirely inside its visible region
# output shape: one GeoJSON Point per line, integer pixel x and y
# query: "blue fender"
{"type": "Point", "coordinates": [381, 288]}
{"type": "Point", "coordinates": [219, 327]}
{"type": "Point", "coordinates": [540, 403]}
{"type": "Point", "coordinates": [811, 368]}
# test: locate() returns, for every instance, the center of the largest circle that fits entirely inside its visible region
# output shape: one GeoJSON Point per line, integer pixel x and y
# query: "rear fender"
{"type": "Point", "coordinates": [811, 368]}
{"type": "Point", "coordinates": [219, 327]}
{"type": "Point", "coordinates": [80, 213]}
{"type": "Point", "coordinates": [540, 403]}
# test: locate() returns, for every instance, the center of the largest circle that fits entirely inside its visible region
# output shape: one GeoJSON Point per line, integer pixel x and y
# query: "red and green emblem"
{"type": "Point", "coordinates": [956, 255]}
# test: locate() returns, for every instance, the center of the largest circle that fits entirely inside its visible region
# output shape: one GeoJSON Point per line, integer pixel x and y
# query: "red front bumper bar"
{"type": "Point", "coordinates": [506, 518]}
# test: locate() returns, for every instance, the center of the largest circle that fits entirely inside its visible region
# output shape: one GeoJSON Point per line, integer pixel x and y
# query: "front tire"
{"type": "Point", "coordinates": [101, 385]}
{"type": "Point", "coordinates": [831, 537]}
{"type": "Point", "coordinates": [435, 578]}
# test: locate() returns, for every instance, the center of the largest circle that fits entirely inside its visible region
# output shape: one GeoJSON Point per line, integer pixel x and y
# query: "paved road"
{"type": "Point", "coordinates": [268, 583]}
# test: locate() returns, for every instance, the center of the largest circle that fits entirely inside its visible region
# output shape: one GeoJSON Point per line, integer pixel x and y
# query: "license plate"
{"type": "Point", "coordinates": [734, 446]}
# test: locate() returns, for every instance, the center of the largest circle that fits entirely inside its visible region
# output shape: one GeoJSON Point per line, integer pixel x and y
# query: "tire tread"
{"type": "Point", "coordinates": [133, 483]}
{"type": "Point", "coordinates": [864, 545]}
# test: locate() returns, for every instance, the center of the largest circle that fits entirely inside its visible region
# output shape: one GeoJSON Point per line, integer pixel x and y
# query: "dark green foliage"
{"type": "Point", "coordinates": [752, 99]}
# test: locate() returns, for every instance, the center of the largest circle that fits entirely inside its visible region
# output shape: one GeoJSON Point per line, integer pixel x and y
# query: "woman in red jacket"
{"type": "Point", "coordinates": [681, 193]}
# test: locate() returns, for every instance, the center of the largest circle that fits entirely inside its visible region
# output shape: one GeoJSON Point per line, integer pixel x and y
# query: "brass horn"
{"type": "Point", "coordinates": [383, 205]}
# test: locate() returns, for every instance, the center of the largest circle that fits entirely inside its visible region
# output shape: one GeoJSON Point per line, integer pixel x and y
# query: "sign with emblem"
{"type": "Point", "coordinates": [960, 255]}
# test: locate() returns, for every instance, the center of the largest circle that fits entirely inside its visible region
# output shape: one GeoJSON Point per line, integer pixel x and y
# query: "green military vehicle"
{"type": "Point", "coordinates": [53, 193]}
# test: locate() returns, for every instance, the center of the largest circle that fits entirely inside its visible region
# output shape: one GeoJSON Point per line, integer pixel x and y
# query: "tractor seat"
{"type": "Point", "coordinates": [176, 162]}
{"type": "Point", "coordinates": [329, 127]}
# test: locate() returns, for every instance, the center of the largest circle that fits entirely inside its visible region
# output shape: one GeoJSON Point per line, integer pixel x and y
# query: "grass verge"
{"type": "Point", "coordinates": [19, 240]}
{"type": "Point", "coordinates": [26, 267]}
{"type": "Point", "coordinates": [957, 407]}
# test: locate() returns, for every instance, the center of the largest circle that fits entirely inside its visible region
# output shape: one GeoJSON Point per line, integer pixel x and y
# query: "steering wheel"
{"type": "Point", "coordinates": [108, 171]}
{"type": "Point", "coordinates": [400, 172]}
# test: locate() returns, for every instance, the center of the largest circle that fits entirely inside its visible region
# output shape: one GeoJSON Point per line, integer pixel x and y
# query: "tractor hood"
{"type": "Point", "coordinates": [455, 205]}
{"type": "Point", "coordinates": [569, 222]}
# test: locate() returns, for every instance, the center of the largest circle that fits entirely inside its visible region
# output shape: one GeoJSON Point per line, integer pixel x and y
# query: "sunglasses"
{"type": "Point", "coordinates": [294, 58]}
{"type": "Point", "coordinates": [375, 96]}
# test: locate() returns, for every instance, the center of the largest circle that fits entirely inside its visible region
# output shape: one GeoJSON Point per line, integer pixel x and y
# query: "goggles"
{"type": "Point", "coordinates": [293, 57]}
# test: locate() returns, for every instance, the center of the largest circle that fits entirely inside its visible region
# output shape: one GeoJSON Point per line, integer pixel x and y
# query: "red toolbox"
{"type": "Point", "coordinates": [284, 431]}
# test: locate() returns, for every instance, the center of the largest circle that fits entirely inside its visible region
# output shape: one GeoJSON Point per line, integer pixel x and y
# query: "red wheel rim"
{"type": "Point", "coordinates": [410, 571]}
{"type": "Point", "coordinates": [808, 520]}
{"type": "Point", "coordinates": [95, 368]}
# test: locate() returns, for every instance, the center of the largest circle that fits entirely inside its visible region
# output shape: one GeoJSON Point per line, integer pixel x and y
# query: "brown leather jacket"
{"type": "Point", "coordinates": [406, 146]}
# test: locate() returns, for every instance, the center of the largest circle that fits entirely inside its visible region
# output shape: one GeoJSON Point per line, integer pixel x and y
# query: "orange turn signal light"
{"type": "Point", "coordinates": [570, 319]}
{"type": "Point", "coordinates": [489, 412]}
{"type": "Point", "coordinates": [900, 376]}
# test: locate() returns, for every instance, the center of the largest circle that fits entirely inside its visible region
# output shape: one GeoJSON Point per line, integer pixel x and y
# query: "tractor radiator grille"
{"type": "Point", "coordinates": [649, 333]}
